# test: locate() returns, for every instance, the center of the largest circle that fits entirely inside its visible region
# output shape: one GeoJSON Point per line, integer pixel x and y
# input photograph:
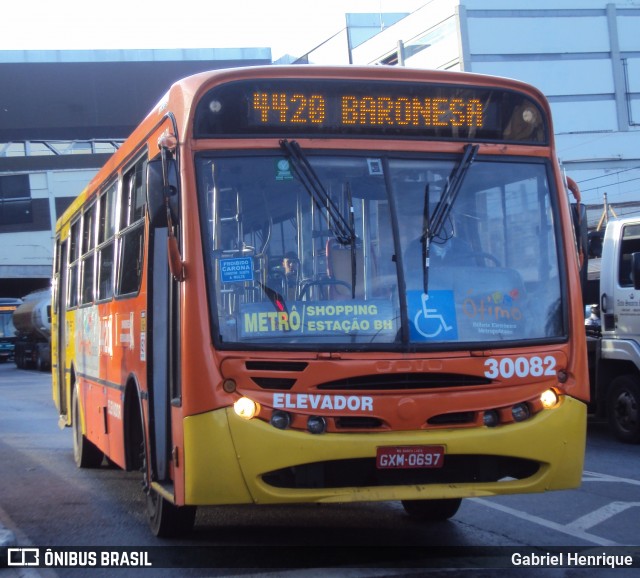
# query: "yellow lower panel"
{"type": "Point", "coordinates": [554, 438]}
{"type": "Point", "coordinates": [212, 472]}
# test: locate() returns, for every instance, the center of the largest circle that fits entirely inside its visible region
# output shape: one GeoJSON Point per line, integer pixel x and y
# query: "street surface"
{"type": "Point", "coordinates": [47, 502]}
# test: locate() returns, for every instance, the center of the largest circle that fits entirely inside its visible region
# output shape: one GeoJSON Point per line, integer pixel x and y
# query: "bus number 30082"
{"type": "Point", "coordinates": [507, 367]}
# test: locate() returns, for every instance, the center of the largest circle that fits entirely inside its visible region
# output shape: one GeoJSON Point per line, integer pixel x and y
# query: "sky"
{"type": "Point", "coordinates": [285, 26]}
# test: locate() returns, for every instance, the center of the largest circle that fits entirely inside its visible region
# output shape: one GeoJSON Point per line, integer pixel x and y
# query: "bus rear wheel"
{"type": "Point", "coordinates": [85, 453]}
{"type": "Point", "coordinates": [432, 510]}
{"type": "Point", "coordinates": [624, 408]}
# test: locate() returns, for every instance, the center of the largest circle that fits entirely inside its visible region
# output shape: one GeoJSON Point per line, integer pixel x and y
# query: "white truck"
{"type": "Point", "coordinates": [614, 343]}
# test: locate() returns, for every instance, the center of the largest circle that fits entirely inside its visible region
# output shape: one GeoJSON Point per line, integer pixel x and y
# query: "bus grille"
{"type": "Point", "coordinates": [265, 365]}
{"type": "Point", "coordinates": [362, 473]}
{"type": "Point", "coordinates": [358, 422]}
{"type": "Point", "coordinates": [279, 383]}
{"type": "Point", "coordinates": [393, 381]}
{"type": "Point", "coordinates": [456, 418]}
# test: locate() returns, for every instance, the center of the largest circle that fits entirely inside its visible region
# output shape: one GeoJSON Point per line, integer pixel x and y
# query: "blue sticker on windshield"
{"type": "Point", "coordinates": [236, 270]}
{"type": "Point", "coordinates": [432, 316]}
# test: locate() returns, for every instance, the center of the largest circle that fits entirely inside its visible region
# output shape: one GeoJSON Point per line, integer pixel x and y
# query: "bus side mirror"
{"type": "Point", "coordinates": [635, 270]}
{"type": "Point", "coordinates": [162, 189]}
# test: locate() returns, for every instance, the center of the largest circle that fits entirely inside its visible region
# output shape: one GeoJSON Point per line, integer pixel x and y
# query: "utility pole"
{"type": "Point", "coordinates": [605, 213]}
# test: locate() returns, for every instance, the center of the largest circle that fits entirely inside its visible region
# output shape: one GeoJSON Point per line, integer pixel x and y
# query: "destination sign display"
{"type": "Point", "coordinates": [348, 108]}
{"type": "Point", "coordinates": [284, 108]}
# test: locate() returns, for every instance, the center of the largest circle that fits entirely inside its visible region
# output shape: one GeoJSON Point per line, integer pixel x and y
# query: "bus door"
{"type": "Point", "coordinates": [61, 306]}
{"type": "Point", "coordinates": [162, 296]}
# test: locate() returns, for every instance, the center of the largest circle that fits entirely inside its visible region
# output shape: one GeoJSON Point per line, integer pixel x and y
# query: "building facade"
{"type": "Point", "coordinates": [583, 54]}
{"type": "Point", "coordinates": [62, 114]}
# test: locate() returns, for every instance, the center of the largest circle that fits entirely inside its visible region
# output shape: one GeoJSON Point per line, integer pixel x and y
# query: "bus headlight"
{"type": "Point", "coordinates": [520, 412]}
{"type": "Point", "coordinates": [280, 419]}
{"type": "Point", "coordinates": [549, 398]}
{"type": "Point", "coordinates": [491, 418]}
{"type": "Point", "coordinates": [246, 408]}
{"type": "Point", "coordinates": [316, 424]}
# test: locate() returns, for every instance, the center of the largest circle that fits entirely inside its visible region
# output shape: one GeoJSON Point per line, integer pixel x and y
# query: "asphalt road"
{"type": "Point", "coordinates": [45, 501]}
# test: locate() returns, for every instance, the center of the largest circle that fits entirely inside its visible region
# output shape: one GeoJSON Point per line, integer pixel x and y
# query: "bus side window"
{"type": "Point", "coordinates": [88, 254]}
{"type": "Point", "coordinates": [132, 228]}
{"type": "Point", "coordinates": [105, 272]}
{"type": "Point", "coordinates": [133, 194]}
{"type": "Point", "coordinates": [132, 251]}
{"type": "Point", "coordinates": [74, 264]}
{"type": "Point", "coordinates": [106, 232]}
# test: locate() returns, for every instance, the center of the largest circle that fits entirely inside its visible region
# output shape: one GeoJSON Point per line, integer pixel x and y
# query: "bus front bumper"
{"type": "Point", "coordinates": [232, 460]}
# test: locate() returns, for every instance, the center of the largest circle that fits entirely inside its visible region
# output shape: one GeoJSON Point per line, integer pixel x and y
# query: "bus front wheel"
{"type": "Point", "coordinates": [431, 510]}
{"type": "Point", "coordinates": [166, 519]}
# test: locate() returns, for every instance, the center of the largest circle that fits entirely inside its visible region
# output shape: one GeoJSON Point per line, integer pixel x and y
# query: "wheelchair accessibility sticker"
{"type": "Point", "coordinates": [432, 316]}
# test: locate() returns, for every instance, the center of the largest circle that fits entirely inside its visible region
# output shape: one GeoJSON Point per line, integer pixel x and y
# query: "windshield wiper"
{"type": "Point", "coordinates": [339, 226]}
{"type": "Point", "coordinates": [433, 225]}
{"type": "Point", "coordinates": [352, 228]}
{"type": "Point", "coordinates": [342, 230]}
{"type": "Point", "coordinates": [450, 193]}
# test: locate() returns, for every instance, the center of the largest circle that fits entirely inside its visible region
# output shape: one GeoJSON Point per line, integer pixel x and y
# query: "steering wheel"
{"type": "Point", "coordinates": [322, 283]}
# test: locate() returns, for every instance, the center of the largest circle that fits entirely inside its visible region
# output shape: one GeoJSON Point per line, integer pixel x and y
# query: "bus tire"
{"type": "Point", "coordinates": [623, 408]}
{"type": "Point", "coordinates": [166, 519]}
{"type": "Point", "coordinates": [85, 453]}
{"type": "Point", "coordinates": [432, 510]}
{"type": "Point", "coordinates": [40, 363]}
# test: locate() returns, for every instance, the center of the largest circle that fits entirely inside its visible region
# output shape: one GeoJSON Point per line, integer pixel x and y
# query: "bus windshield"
{"type": "Point", "coordinates": [314, 250]}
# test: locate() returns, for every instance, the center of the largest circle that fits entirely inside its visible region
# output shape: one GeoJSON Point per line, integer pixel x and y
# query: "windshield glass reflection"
{"type": "Point", "coordinates": [341, 261]}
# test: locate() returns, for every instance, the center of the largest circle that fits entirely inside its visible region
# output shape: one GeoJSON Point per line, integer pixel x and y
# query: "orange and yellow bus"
{"type": "Point", "coordinates": [326, 284]}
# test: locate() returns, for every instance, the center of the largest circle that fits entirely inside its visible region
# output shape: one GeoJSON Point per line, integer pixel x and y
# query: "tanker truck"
{"type": "Point", "coordinates": [32, 320]}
